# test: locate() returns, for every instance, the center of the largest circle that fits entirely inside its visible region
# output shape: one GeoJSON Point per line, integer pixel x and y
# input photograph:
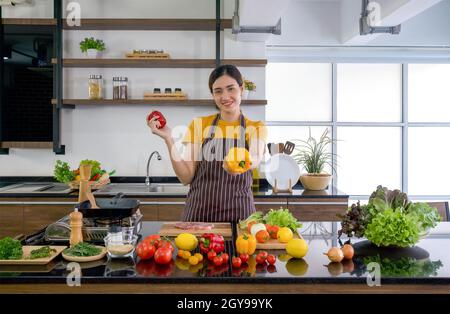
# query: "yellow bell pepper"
{"type": "Point", "coordinates": [238, 160]}
{"type": "Point", "coordinates": [246, 244]}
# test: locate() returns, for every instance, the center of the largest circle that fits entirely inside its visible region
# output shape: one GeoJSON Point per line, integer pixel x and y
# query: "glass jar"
{"type": "Point", "coordinates": [123, 94]}
{"type": "Point", "coordinates": [95, 86]}
{"type": "Point", "coordinates": [116, 88]}
{"type": "Point", "coordinates": [168, 90]}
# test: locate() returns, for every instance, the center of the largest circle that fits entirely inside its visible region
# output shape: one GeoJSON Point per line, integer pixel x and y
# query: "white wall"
{"type": "Point", "coordinates": [118, 135]}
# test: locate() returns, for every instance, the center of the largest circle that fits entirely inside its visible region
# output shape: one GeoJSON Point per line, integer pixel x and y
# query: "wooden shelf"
{"type": "Point", "coordinates": [17, 21]}
{"type": "Point", "coordinates": [189, 102]}
{"type": "Point", "coordinates": [151, 63]}
{"type": "Point", "coordinates": [48, 145]}
{"type": "Point", "coordinates": [149, 24]}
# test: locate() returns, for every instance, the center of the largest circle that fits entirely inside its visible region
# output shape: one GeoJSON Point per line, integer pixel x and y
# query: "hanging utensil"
{"type": "Point", "coordinates": [288, 148]}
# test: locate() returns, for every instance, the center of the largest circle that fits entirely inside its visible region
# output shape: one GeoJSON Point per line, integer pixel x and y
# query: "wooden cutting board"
{"type": "Point", "coordinates": [222, 228]}
{"type": "Point", "coordinates": [37, 261]}
{"type": "Point", "coordinates": [271, 244]}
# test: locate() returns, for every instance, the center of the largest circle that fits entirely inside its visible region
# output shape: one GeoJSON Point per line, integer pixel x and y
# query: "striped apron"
{"type": "Point", "coordinates": [214, 194]}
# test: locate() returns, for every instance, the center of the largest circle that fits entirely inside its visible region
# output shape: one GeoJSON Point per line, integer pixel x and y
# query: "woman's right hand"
{"type": "Point", "coordinates": [164, 133]}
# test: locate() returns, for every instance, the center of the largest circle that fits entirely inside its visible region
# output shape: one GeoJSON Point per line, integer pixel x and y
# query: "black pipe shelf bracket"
{"type": "Point", "coordinates": [57, 79]}
{"type": "Point", "coordinates": [3, 151]}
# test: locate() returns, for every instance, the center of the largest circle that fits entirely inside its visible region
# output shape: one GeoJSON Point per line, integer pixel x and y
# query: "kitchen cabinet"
{"type": "Point", "coordinates": [265, 204]}
{"type": "Point", "coordinates": [317, 209]}
{"type": "Point", "coordinates": [149, 209]}
{"type": "Point", "coordinates": [11, 218]}
{"type": "Point", "coordinates": [171, 209]}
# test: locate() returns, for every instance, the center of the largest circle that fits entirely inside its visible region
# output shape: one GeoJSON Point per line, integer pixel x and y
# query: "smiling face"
{"type": "Point", "coordinates": [227, 93]}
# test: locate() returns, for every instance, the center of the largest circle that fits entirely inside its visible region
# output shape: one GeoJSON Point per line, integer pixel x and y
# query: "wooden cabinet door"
{"type": "Point", "coordinates": [11, 218]}
{"type": "Point", "coordinates": [149, 209]}
{"type": "Point", "coordinates": [317, 209]}
{"type": "Point", "coordinates": [265, 204]}
{"type": "Point", "coordinates": [39, 214]}
{"type": "Point", "coordinates": [171, 209]}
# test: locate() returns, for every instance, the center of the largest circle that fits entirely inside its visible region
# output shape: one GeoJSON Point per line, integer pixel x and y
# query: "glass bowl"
{"type": "Point", "coordinates": [120, 247]}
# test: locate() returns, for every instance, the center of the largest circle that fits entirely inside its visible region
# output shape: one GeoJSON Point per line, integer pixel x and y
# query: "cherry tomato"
{"type": "Point", "coordinates": [218, 260]}
{"type": "Point", "coordinates": [225, 257]}
{"type": "Point", "coordinates": [244, 258]}
{"type": "Point", "coordinates": [163, 255]}
{"type": "Point", "coordinates": [263, 254]}
{"type": "Point", "coordinates": [271, 259]}
{"type": "Point", "coordinates": [260, 259]}
{"type": "Point", "coordinates": [211, 255]}
{"type": "Point", "coordinates": [236, 261]}
{"type": "Point", "coordinates": [145, 250]}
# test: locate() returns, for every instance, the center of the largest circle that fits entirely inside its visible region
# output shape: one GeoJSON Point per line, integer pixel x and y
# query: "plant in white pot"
{"type": "Point", "coordinates": [314, 155]}
{"type": "Point", "coordinates": [249, 87]}
{"type": "Point", "coordinates": [91, 47]}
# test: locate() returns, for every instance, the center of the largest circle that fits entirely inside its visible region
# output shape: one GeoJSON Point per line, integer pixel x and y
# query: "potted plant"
{"type": "Point", "coordinates": [249, 86]}
{"type": "Point", "coordinates": [313, 154]}
{"type": "Point", "coordinates": [91, 47]}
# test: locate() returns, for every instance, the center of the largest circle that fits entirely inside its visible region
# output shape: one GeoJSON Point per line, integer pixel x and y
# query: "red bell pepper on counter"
{"type": "Point", "coordinates": [212, 242]}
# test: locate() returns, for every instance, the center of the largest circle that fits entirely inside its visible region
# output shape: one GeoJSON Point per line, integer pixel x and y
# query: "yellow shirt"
{"type": "Point", "coordinates": [199, 128]}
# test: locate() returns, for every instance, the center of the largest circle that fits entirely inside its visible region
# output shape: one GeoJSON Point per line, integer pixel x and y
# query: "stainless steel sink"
{"type": "Point", "coordinates": [141, 188]}
{"type": "Point", "coordinates": [36, 188]}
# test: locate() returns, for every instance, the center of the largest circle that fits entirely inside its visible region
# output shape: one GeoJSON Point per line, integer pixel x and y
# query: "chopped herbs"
{"type": "Point", "coordinates": [83, 249]}
{"type": "Point", "coordinates": [42, 252]}
{"type": "Point", "coordinates": [10, 249]}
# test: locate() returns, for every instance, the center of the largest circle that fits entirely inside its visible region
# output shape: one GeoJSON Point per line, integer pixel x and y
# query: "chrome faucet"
{"type": "Point", "coordinates": [147, 178]}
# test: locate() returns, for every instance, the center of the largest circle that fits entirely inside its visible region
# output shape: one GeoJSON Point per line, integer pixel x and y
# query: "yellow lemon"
{"type": "Point", "coordinates": [284, 235]}
{"type": "Point", "coordinates": [297, 248]}
{"type": "Point", "coordinates": [297, 266]}
{"type": "Point", "coordinates": [186, 241]}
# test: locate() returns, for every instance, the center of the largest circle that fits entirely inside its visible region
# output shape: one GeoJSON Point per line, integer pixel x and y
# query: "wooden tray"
{"type": "Point", "coordinates": [38, 261]}
{"type": "Point", "coordinates": [164, 96]}
{"type": "Point", "coordinates": [147, 56]}
{"type": "Point", "coordinates": [222, 228]}
{"type": "Point", "coordinates": [271, 244]}
{"type": "Point", "coordinates": [86, 258]}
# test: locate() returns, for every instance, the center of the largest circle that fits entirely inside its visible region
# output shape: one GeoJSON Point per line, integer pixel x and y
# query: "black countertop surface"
{"type": "Point", "coordinates": [427, 263]}
{"type": "Point", "coordinates": [264, 190]}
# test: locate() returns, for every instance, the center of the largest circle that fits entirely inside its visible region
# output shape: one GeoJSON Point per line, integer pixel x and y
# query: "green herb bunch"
{"type": "Point", "coordinates": [10, 248]}
{"type": "Point", "coordinates": [91, 43]}
{"type": "Point", "coordinates": [82, 249]}
{"type": "Point", "coordinates": [62, 172]}
{"type": "Point", "coordinates": [313, 154]}
{"type": "Point", "coordinates": [42, 252]}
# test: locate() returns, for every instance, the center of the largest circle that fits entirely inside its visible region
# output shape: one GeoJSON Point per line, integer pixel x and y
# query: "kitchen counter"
{"type": "Point", "coordinates": [264, 191]}
{"type": "Point", "coordinates": [428, 271]}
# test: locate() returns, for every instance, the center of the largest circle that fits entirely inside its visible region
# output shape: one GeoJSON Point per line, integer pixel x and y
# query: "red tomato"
{"type": "Point", "coordinates": [145, 250]}
{"type": "Point", "coordinates": [260, 259]}
{"type": "Point", "coordinates": [160, 118]}
{"type": "Point", "coordinates": [225, 257]}
{"type": "Point", "coordinates": [163, 255]}
{"type": "Point", "coordinates": [263, 254]}
{"type": "Point", "coordinates": [271, 259]}
{"type": "Point", "coordinates": [218, 260]}
{"type": "Point", "coordinates": [244, 258]}
{"type": "Point", "coordinates": [262, 236]}
{"type": "Point", "coordinates": [236, 261]}
{"type": "Point", "coordinates": [152, 239]}
{"type": "Point", "coordinates": [166, 244]}
{"type": "Point", "coordinates": [211, 255]}
{"type": "Point", "coordinates": [273, 230]}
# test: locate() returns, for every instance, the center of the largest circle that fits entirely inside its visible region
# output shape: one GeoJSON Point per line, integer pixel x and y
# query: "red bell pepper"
{"type": "Point", "coordinates": [159, 116]}
{"type": "Point", "coordinates": [212, 242]}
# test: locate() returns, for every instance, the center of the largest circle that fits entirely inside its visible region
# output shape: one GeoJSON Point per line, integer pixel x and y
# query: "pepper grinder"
{"type": "Point", "coordinates": [85, 186]}
{"type": "Point", "coordinates": [76, 222]}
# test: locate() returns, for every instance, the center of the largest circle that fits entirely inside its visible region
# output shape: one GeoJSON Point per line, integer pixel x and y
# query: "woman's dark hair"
{"type": "Point", "coordinates": [226, 69]}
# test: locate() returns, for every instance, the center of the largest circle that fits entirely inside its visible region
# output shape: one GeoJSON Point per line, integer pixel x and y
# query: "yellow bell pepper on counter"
{"type": "Point", "coordinates": [246, 244]}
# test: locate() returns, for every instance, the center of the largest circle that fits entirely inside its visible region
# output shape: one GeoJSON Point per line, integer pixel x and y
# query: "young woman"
{"type": "Point", "coordinates": [216, 194]}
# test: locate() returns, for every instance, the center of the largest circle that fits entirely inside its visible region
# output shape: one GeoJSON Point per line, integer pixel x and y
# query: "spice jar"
{"type": "Point", "coordinates": [177, 90]}
{"type": "Point", "coordinates": [116, 88]}
{"type": "Point", "coordinates": [123, 91]}
{"type": "Point", "coordinates": [95, 87]}
{"type": "Point", "coordinates": [168, 91]}
{"type": "Point", "coordinates": [157, 90]}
